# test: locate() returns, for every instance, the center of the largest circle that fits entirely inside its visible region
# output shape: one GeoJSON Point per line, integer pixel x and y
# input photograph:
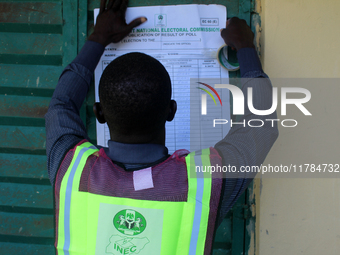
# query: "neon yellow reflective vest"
{"type": "Point", "coordinates": [94, 224]}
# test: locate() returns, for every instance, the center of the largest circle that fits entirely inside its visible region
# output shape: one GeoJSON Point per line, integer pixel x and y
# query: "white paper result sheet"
{"type": "Point", "coordinates": [185, 39]}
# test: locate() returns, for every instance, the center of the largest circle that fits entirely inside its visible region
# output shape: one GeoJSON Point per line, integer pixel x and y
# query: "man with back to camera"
{"type": "Point", "coordinates": [144, 193]}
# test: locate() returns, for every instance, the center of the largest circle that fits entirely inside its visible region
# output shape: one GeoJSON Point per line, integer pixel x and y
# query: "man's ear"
{"type": "Point", "coordinates": [97, 109]}
{"type": "Point", "coordinates": [172, 111]}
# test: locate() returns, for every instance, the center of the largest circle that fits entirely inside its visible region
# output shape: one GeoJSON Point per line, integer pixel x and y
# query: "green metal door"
{"type": "Point", "coordinates": [37, 40]}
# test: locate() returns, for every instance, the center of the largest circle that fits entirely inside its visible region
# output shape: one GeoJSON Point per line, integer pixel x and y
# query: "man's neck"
{"type": "Point", "coordinates": [156, 138]}
{"type": "Point", "coordinates": [135, 153]}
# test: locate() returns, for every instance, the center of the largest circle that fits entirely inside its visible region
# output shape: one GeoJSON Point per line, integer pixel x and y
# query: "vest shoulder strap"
{"type": "Point", "coordinates": [199, 189]}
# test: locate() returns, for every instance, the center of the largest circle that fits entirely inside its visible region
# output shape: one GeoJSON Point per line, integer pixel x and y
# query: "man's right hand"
{"type": "Point", "coordinates": [111, 25]}
{"type": "Point", "coordinates": [238, 34]}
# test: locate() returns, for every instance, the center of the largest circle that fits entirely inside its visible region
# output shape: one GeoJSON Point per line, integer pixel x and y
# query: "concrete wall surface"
{"type": "Point", "coordinates": [299, 215]}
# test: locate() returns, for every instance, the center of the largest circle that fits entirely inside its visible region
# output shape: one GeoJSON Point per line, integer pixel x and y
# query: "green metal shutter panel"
{"type": "Point", "coordinates": [37, 40]}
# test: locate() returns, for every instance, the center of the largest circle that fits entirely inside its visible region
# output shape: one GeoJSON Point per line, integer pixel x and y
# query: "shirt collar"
{"type": "Point", "coordinates": [135, 153]}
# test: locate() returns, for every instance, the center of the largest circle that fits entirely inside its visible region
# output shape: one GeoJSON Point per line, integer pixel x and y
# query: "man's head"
{"type": "Point", "coordinates": [135, 98]}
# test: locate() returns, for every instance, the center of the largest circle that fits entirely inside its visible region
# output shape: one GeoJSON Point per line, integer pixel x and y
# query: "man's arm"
{"type": "Point", "coordinates": [246, 146]}
{"type": "Point", "coordinates": [64, 127]}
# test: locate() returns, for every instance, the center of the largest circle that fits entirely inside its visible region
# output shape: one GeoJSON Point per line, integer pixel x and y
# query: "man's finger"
{"type": "Point", "coordinates": [135, 23]}
{"type": "Point", "coordinates": [110, 4]}
{"type": "Point", "coordinates": [102, 6]}
{"type": "Point", "coordinates": [116, 5]}
{"type": "Point", "coordinates": [223, 33]}
{"type": "Point", "coordinates": [233, 19]}
{"type": "Point", "coordinates": [123, 6]}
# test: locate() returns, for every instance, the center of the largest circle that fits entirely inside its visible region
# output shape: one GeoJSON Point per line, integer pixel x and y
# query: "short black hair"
{"type": "Point", "coordinates": [135, 94]}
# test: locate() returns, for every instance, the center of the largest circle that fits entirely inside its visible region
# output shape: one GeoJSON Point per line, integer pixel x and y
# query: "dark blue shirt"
{"type": "Point", "coordinates": [243, 146]}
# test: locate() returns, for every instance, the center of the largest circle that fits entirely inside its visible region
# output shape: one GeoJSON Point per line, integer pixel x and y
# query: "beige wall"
{"type": "Point", "coordinates": [301, 39]}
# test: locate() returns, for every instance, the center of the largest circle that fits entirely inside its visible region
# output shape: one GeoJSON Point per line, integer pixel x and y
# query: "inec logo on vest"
{"type": "Point", "coordinates": [129, 230]}
{"type": "Point", "coordinates": [129, 222]}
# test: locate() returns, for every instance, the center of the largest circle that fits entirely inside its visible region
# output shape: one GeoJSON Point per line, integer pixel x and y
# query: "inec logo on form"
{"type": "Point", "coordinates": [160, 20]}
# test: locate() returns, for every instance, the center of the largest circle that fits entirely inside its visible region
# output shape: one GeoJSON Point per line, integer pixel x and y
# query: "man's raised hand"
{"type": "Point", "coordinates": [238, 34]}
{"type": "Point", "coordinates": [111, 25]}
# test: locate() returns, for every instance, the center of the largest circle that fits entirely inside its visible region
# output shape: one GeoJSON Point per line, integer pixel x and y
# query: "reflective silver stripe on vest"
{"type": "Point", "coordinates": [198, 205]}
{"type": "Point", "coordinates": [68, 199]}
